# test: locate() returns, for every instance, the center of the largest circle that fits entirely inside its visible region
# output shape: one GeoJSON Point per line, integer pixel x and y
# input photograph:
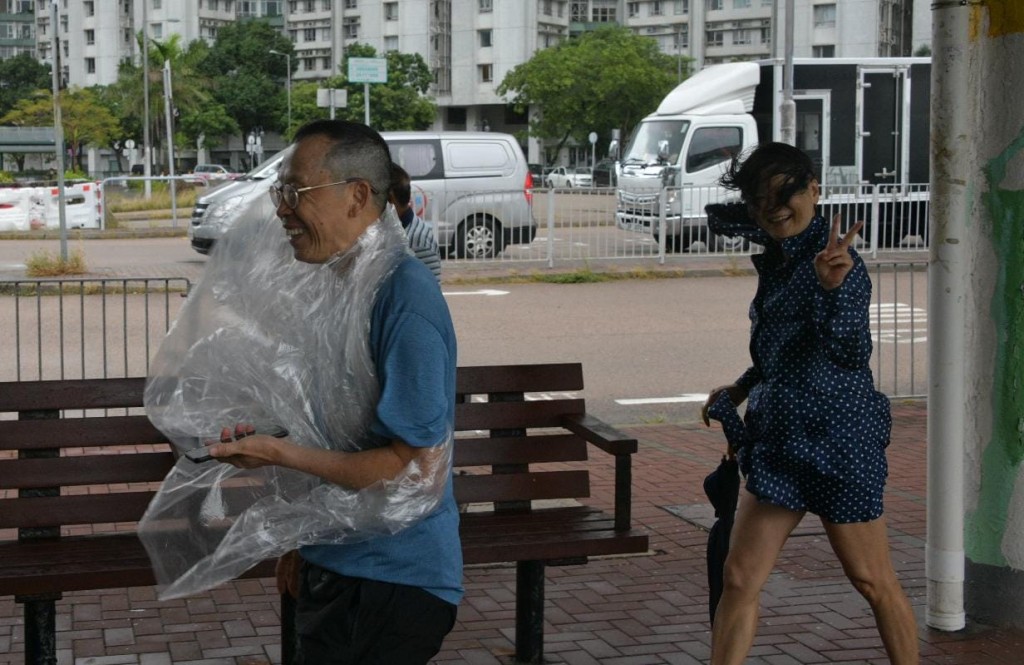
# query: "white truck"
{"type": "Point", "coordinates": [863, 122]}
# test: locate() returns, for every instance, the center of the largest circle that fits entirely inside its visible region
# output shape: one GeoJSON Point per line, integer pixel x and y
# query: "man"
{"type": "Point", "coordinates": [421, 236]}
{"type": "Point", "coordinates": [389, 599]}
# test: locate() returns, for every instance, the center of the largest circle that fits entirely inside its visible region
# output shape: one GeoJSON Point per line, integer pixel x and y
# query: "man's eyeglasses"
{"type": "Point", "coordinates": [289, 193]}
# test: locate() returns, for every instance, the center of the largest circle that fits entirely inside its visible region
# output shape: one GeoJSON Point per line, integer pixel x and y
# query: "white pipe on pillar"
{"type": "Point", "coordinates": [951, 142]}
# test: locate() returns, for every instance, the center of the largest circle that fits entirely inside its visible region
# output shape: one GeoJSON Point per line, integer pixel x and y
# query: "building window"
{"type": "Point", "coordinates": [309, 35]}
{"type": "Point", "coordinates": [712, 5]}
{"type": "Point", "coordinates": [713, 38]}
{"type": "Point", "coordinates": [350, 28]}
{"type": "Point", "coordinates": [485, 38]}
{"type": "Point", "coordinates": [90, 65]}
{"type": "Point", "coordinates": [633, 9]}
{"type": "Point", "coordinates": [656, 8]}
{"type": "Point", "coordinates": [214, 5]}
{"type": "Point", "coordinates": [158, 31]}
{"type": "Point", "coordinates": [486, 73]}
{"type": "Point", "coordinates": [766, 36]}
{"type": "Point", "coordinates": [90, 8]}
{"type": "Point", "coordinates": [351, 4]}
{"type": "Point", "coordinates": [127, 35]}
{"type": "Point", "coordinates": [390, 11]}
{"type": "Point", "coordinates": [486, 6]}
{"type": "Point", "coordinates": [310, 6]}
{"type": "Point", "coordinates": [325, 6]}
{"type": "Point", "coordinates": [742, 37]}
{"type": "Point", "coordinates": [90, 37]}
{"type": "Point", "coordinates": [603, 11]}
{"type": "Point", "coordinates": [682, 6]}
{"type": "Point", "coordinates": [681, 39]}
{"type": "Point", "coordinates": [325, 63]}
{"type": "Point", "coordinates": [578, 12]}
{"type": "Point", "coordinates": [741, 4]}
{"type": "Point", "coordinates": [391, 43]}
{"type": "Point", "coordinates": [825, 16]}
{"type": "Point", "coordinates": [325, 34]}
{"type": "Point", "coordinates": [824, 51]}
{"type": "Point", "coordinates": [547, 7]}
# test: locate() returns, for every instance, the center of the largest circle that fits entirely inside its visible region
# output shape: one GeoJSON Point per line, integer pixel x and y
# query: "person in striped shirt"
{"type": "Point", "coordinates": [421, 236]}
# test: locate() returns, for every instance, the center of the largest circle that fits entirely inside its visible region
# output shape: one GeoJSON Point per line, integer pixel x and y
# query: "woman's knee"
{"type": "Point", "coordinates": [875, 586]}
{"type": "Point", "coordinates": [743, 578]}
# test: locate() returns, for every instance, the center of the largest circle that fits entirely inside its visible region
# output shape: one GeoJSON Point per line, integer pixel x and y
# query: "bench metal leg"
{"type": "Point", "coordinates": [288, 633]}
{"type": "Point", "coordinates": [40, 630]}
{"type": "Point", "coordinates": [530, 612]}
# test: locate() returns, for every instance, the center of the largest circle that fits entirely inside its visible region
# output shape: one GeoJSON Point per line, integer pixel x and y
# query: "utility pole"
{"type": "Point", "coordinates": [787, 112]}
{"type": "Point", "coordinates": [146, 146]}
{"type": "Point", "coordinates": [58, 135]}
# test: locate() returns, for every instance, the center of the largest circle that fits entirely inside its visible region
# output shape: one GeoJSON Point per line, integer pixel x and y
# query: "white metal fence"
{"type": "Point", "coordinates": [603, 223]}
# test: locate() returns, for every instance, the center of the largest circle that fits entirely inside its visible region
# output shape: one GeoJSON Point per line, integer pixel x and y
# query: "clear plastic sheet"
{"type": "Point", "coordinates": [268, 340]}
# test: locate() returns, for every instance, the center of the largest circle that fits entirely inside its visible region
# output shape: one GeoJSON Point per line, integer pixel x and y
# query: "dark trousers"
{"type": "Point", "coordinates": [353, 621]}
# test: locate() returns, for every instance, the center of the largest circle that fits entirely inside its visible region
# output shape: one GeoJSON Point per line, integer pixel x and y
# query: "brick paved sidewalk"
{"type": "Point", "coordinates": [617, 611]}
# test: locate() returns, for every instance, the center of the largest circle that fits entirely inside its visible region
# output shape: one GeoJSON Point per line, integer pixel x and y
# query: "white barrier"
{"type": "Point", "coordinates": [30, 208]}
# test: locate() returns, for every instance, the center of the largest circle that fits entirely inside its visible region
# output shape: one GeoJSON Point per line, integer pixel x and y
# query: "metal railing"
{"type": "Point", "coordinates": [84, 328]}
{"type": "Point", "coordinates": [608, 223]}
{"type": "Point", "coordinates": [899, 327]}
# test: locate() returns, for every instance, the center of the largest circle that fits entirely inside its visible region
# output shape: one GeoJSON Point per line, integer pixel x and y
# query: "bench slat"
{"type": "Point", "coordinates": [45, 511]}
{"type": "Point", "coordinates": [78, 432]}
{"type": "Point", "coordinates": [84, 470]}
{"type": "Point", "coordinates": [71, 394]}
{"type": "Point", "coordinates": [83, 563]}
{"type": "Point", "coordinates": [554, 377]}
{"type": "Point", "coordinates": [482, 451]}
{"type": "Point", "coordinates": [515, 415]}
{"type": "Point", "coordinates": [521, 486]}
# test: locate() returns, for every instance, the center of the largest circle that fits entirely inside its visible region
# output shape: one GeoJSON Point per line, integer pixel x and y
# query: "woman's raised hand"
{"type": "Point", "coordinates": [833, 263]}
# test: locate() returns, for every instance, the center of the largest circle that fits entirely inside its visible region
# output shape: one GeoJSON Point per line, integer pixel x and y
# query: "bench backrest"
{"type": "Point", "coordinates": [57, 456]}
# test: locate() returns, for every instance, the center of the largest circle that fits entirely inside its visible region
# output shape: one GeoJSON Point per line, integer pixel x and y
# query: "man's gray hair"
{"type": "Point", "coordinates": [356, 151]}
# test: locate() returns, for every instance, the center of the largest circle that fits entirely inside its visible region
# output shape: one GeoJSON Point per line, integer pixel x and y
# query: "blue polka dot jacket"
{"type": "Point", "coordinates": [812, 406]}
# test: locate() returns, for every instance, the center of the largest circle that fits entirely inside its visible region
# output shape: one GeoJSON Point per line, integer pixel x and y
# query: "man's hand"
{"type": "Point", "coordinates": [833, 263]}
{"type": "Point", "coordinates": [737, 394]}
{"type": "Point", "coordinates": [245, 449]}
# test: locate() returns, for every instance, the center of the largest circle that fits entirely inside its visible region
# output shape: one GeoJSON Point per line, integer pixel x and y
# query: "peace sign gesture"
{"type": "Point", "coordinates": [833, 263]}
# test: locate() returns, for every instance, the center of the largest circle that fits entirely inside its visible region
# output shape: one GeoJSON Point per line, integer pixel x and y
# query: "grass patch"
{"type": "Point", "coordinates": [159, 200]}
{"type": "Point", "coordinates": [582, 276]}
{"type": "Point", "coordinates": [44, 263]}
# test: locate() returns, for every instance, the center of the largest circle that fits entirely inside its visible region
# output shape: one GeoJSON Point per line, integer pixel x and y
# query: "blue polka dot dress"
{"type": "Point", "coordinates": [815, 427]}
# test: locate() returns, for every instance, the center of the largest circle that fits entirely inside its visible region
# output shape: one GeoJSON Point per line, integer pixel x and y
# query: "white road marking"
{"type": "Point", "coordinates": [898, 323]}
{"type": "Point", "coordinates": [479, 292]}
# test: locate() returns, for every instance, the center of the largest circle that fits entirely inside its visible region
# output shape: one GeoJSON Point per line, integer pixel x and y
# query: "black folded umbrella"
{"type": "Point", "coordinates": [722, 487]}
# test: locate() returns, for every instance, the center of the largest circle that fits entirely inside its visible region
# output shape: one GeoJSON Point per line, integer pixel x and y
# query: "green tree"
{"type": "Point", "coordinates": [401, 103]}
{"type": "Point", "coordinates": [84, 119]}
{"type": "Point", "coordinates": [20, 76]}
{"type": "Point", "coordinates": [247, 79]}
{"type": "Point", "coordinates": [606, 79]}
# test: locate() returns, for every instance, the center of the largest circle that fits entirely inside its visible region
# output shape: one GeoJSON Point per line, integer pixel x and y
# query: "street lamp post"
{"type": "Point", "coordinates": [147, 162]}
{"type": "Point", "coordinates": [288, 57]}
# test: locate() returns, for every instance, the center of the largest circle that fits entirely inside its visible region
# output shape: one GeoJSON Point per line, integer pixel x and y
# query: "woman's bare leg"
{"type": "Point", "coordinates": [863, 550]}
{"type": "Point", "coordinates": [758, 535]}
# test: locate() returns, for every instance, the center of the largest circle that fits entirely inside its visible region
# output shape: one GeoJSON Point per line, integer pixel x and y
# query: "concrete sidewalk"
{"type": "Point", "coordinates": [617, 611]}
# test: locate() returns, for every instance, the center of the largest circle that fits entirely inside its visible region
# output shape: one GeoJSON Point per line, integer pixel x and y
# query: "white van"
{"type": "Point", "coordinates": [473, 188]}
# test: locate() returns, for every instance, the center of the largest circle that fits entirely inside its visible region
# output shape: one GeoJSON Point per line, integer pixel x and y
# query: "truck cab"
{"type": "Point", "coordinates": [685, 146]}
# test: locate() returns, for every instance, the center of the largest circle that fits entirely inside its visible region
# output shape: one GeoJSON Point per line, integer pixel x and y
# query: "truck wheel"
{"type": "Point", "coordinates": [672, 243]}
{"type": "Point", "coordinates": [478, 237]}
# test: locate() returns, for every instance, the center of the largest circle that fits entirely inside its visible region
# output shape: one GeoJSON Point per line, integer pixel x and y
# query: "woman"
{"type": "Point", "coordinates": [816, 429]}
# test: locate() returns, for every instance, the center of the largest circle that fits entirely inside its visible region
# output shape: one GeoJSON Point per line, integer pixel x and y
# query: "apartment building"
{"type": "Point", "coordinates": [469, 44]}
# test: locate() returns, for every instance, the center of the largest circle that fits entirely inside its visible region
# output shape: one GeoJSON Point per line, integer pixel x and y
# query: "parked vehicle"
{"type": "Point", "coordinates": [473, 188]}
{"type": "Point", "coordinates": [863, 122]}
{"type": "Point", "coordinates": [215, 212]}
{"type": "Point", "coordinates": [568, 176]}
{"type": "Point", "coordinates": [206, 174]}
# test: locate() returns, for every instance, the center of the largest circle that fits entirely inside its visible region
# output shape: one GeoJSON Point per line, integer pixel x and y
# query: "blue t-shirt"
{"type": "Point", "coordinates": [412, 342]}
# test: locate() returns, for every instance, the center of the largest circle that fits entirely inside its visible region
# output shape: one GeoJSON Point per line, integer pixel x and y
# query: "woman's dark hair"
{"type": "Point", "coordinates": [752, 174]}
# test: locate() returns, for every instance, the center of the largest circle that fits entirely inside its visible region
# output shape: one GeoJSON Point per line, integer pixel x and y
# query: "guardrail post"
{"type": "Point", "coordinates": [877, 221]}
{"type": "Point", "coordinates": [662, 223]}
{"type": "Point", "coordinates": [551, 227]}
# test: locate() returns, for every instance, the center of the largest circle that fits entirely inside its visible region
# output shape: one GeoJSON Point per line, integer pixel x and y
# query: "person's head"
{"type": "Point", "coordinates": [401, 189]}
{"type": "Point", "coordinates": [778, 184]}
{"type": "Point", "coordinates": [331, 187]}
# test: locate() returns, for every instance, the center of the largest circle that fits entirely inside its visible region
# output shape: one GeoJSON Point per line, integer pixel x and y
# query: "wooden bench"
{"type": "Point", "coordinates": [58, 534]}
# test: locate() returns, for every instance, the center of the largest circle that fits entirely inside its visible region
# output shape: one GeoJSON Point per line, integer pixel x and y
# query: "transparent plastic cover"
{"type": "Point", "coordinates": [268, 340]}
